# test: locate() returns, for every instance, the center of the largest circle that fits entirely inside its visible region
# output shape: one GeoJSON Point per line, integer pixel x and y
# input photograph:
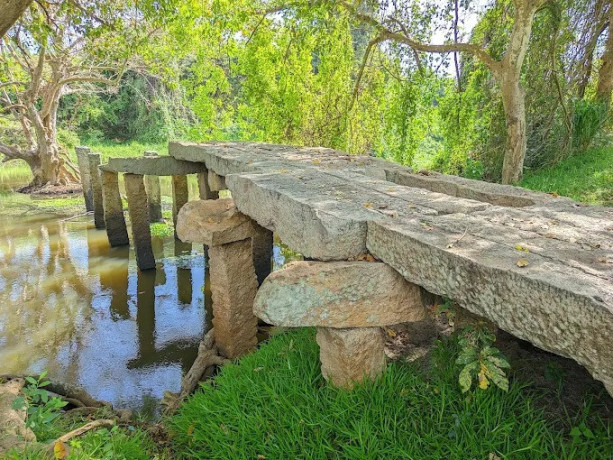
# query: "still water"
{"type": "Point", "coordinates": [72, 305]}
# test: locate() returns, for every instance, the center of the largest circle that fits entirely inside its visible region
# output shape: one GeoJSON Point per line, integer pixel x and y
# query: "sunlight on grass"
{"type": "Point", "coordinates": [587, 177]}
{"type": "Point", "coordinates": [274, 403]}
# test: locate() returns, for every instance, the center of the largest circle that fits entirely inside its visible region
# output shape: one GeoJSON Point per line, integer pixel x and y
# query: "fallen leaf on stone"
{"type": "Point", "coordinates": [367, 205]}
{"type": "Point", "coordinates": [316, 161]}
{"type": "Point", "coordinates": [522, 263]}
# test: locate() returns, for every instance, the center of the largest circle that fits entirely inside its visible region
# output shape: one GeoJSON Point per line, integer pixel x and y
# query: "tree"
{"type": "Point", "coordinates": [506, 70]}
{"type": "Point", "coordinates": [605, 75]}
{"type": "Point", "coordinates": [55, 50]}
{"type": "Point", "coordinates": [11, 11]}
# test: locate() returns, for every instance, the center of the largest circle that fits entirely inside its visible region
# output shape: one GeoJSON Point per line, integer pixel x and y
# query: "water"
{"type": "Point", "coordinates": [73, 306]}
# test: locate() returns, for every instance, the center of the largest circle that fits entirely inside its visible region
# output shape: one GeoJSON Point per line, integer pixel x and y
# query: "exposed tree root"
{"type": "Point", "coordinates": [203, 368]}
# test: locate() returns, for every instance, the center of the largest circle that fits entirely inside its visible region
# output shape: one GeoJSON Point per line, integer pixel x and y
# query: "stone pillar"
{"type": "Point", "coordinates": [262, 251]}
{"type": "Point", "coordinates": [227, 233]}
{"type": "Point", "coordinates": [139, 218]}
{"type": "Point", "coordinates": [180, 196]}
{"type": "Point", "coordinates": [203, 187]}
{"type": "Point", "coordinates": [216, 182]}
{"type": "Point", "coordinates": [83, 162]}
{"type": "Point", "coordinates": [154, 193]}
{"type": "Point", "coordinates": [351, 355]}
{"type": "Point", "coordinates": [348, 302]}
{"type": "Point", "coordinates": [116, 230]}
{"type": "Point", "coordinates": [96, 184]}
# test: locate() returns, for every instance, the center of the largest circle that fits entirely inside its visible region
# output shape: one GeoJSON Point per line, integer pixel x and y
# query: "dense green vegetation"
{"type": "Point", "coordinates": [275, 404]}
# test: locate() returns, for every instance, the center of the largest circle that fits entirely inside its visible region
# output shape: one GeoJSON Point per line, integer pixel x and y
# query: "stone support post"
{"type": "Point", "coordinates": [154, 193]}
{"type": "Point", "coordinates": [262, 251]}
{"type": "Point", "coordinates": [228, 234]}
{"type": "Point", "coordinates": [351, 355]}
{"type": "Point", "coordinates": [180, 196]}
{"type": "Point", "coordinates": [114, 220]}
{"type": "Point", "coordinates": [83, 163]}
{"type": "Point", "coordinates": [348, 302]}
{"type": "Point", "coordinates": [96, 185]}
{"type": "Point", "coordinates": [139, 218]}
{"type": "Point", "coordinates": [203, 187]}
{"type": "Point", "coordinates": [216, 182]}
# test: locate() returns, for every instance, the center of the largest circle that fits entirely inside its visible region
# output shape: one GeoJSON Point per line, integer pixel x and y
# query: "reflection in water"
{"type": "Point", "coordinates": [71, 304]}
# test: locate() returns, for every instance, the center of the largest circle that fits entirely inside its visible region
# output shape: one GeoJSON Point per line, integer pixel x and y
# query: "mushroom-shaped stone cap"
{"type": "Point", "coordinates": [338, 295]}
{"type": "Point", "coordinates": [212, 222]}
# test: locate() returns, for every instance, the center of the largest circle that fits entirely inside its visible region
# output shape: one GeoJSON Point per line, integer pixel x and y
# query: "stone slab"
{"type": "Point", "coordinates": [152, 166]}
{"type": "Point", "coordinates": [338, 295]}
{"type": "Point", "coordinates": [537, 295]}
{"type": "Point", "coordinates": [180, 196]}
{"type": "Point", "coordinates": [213, 223]}
{"type": "Point", "coordinates": [83, 163]}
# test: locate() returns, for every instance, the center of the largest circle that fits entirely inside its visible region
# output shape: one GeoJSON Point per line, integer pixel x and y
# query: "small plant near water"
{"type": "Point", "coordinates": [480, 360]}
{"type": "Point", "coordinates": [41, 408]}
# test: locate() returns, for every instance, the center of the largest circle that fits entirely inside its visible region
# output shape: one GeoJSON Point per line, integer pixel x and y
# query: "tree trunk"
{"type": "Point", "coordinates": [605, 75]}
{"type": "Point", "coordinates": [515, 115]}
{"type": "Point", "coordinates": [11, 11]}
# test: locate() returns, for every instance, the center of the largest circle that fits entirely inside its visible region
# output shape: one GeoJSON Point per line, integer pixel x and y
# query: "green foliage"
{"type": "Point", "coordinates": [480, 360]}
{"type": "Point", "coordinates": [161, 230]}
{"type": "Point", "coordinates": [41, 408]}
{"type": "Point", "coordinates": [588, 119]}
{"type": "Point", "coordinates": [275, 404]}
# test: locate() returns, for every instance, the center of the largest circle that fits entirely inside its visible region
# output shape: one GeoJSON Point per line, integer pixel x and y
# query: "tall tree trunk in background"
{"type": "Point", "coordinates": [605, 74]}
{"type": "Point", "coordinates": [514, 103]}
{"type": "Point", "coordinates": [11, 10]}
{"type": "Point", "coordinates": [513, 97]}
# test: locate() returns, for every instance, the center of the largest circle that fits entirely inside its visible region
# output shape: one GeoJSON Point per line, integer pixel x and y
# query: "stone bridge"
{"type": "Point", "coordinates": [539, 266]}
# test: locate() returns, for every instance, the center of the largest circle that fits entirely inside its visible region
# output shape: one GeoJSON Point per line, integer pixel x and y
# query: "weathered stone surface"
{"type": "Point", "coordinates": [153, 166]}
{"type": "Point", "coordinates": [540, 296]}
{"type": "Point", "coordinates": [233, 287]}
{"type": "Point", "coordinates": [213, 223]}
{"type": "Point", "coordinates": [83, 164]}
{"type": "Point", "coordinates": [204, 190]}
{"type": "Point", "coordinates": [351, 355]}
{"type": "Point", "coordinates": [216, 182]}
{"type": "Point", "coordinates": [324, 203]}
{"type": "Point", "coordinates": [154, 192]}
{"type": "Point", "coordinates": [96, 185]}
{"type": "Point", "coordinates": [180, 196]}
{"type": "Point", "coordinates": [262, 242]}
{"type": "Point", "coordinates": [116, 229]}
{"type": "Point", "coordinates": [338, 295]}
{"type": "Point", "coordinates": [139, 219]}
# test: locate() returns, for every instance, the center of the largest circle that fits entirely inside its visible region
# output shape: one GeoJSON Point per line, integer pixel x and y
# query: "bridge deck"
{"type": "Point", "coordinates": [539, 266]}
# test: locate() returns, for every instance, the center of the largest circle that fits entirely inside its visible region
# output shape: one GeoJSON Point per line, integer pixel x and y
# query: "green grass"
{"type": "Point", "coordinates": [274, 404]}
{"type": "Point", "coordinates": [587, 177]}
{"type": "Point", "coordinates": [114, 443]}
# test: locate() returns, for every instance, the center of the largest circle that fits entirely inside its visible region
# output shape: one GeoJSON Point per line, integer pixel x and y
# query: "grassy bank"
{"type": "Point", "coordinates": [587, 177]}
{"type": "Point", "coordinates": [275, 404]}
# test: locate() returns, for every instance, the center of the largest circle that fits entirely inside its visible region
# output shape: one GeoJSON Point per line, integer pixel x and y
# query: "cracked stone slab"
{"type": "Point", "coordinates": [338, 295]}
{"type": "Point", "coordinates": [558, 307]}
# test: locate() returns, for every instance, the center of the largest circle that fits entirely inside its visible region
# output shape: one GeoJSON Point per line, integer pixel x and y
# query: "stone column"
{"type": "Point", "coordinates": [227, 233]}
{"type": "Point", "coordinates": [216, 182]}
{"type": "Point", "coordinates": [96, 184]}
{"type": "Point", "coordinates": [262, 251]}
{"type": "Point", "coordinates": [180, 196]}
{"type": "Point", "coordinates": [348, 302]}
{"type": "Point", "coordinates": [351, 355]}
{"type": "Point", "coordinates": [83, 163]}
{"type": "Point", "coordinates": [154, 192]}
{"type": "Point", "coordinates": [203, 187]}
{"type": "Point", "coordinates": [116, 230]}
{"type": "Point", "coordinates": [139, 218]}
